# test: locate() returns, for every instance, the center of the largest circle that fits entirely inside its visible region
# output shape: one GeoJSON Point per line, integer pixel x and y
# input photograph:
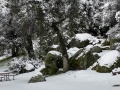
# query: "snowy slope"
{"type": "Point", "coordinates": [72, 80]}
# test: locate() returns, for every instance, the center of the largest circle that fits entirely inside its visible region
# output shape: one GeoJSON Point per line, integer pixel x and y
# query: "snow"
{"type": "Point", "coordinates": [72, 51]}
{"type": "Point", "coordinates": [5, 56]}
{"type": "Point", "coordinates": [29, 66]}
{"type": "Point", "coordinates": [83, 36]}
{"type": "Point", "coordinates": [38, 0]}
{"type": "Point", "coordinates": [109, 58]}
{"type": "Point", "coordinates": [116, 69]}
{"type": "Point", "coordinates": [72, 80]}
{"type": "Point", "coordinates": [36, 45]}
{"type": "Point", "coordinates": [55, 53]}
{"type": "Point", "coordinates": [88, 47]}
{"type": "Point", "coordinates": [55, 46]}
{"type": "Point", "coordinates": [3, 9]}
{"type": "Point", "coordinates": [117, 16]}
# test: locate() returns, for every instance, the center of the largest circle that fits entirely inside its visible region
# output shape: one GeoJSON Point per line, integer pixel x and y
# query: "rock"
{"type": "Point", "coordinates": [53, 60]}
{"type": "Point", "coordinates": [38, 78]}
{"type": "Point", "coordinates": [74, 63]}
{"type": "Point", "coordinates": [45, 71]}
{"type": "Point", "coordinates": [104, 69]}
{"type": "Point", "coordinates": [96, 49]}
{"type": "Point", "coordinates": [52, 70]}
{"type": "Point", "coordinates": [83, 61]}
{"type": "Point", "coordinates": [49, 71]}
{"type": "Point", "coordinates": [78, 43]}
{"type": "Point", "coordinates": [88, 59]}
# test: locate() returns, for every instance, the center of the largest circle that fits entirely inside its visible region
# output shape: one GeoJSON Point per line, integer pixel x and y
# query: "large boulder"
{"type": "Point", "coordinates": [77, 43]}
{"type": "Point", "coordinates": [53, 58]}
{"type": "Point", "coordinates": [83, 60]}
{"type": "Point", "coordinates": [104, 69]}
{"type": "Point", "coordinates": [38, 78]}
{"type": "Point", "coordinates": [96, 49]}
{"type": "Point", "coordinates": [107, 62]}
{"type": "Point", "coordinates": [81, 40]}
{"type": "Point", "coordinates": [53, 62]}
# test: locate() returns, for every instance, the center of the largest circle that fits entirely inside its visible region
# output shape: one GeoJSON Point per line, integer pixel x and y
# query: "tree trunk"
{"type": "Point", "coordinates": [15, 50]}
{"type": "Point", "coordinates": [29, 47]}
{"type": "Point", "coordinates": [63, 48]}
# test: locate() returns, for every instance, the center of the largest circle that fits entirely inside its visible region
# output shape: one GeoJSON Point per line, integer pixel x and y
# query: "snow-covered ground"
{"type": "Point", "coordinates": [72, 80]}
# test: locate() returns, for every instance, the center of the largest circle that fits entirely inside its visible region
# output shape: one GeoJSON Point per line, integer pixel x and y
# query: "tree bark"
{"type": "Point", "coordinates": [29, 47]}
{"type": "Point", "coordinates": [63, 47]}
{"type": "Point", "coordinates": [15, 50]}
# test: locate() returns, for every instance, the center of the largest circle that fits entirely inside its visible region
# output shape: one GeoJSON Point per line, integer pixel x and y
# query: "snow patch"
{"type": "Point", "coordinates": [109, 58]}
{"type": "Point", "coordinates": [87, 48]}
{"type": "Point", "coordinates": [29, 67]}
{"type": "Point", "coordinates": [72, 51]}
{"type": "Point", "coordinates": [54, 46]}
{"type": "Point", "coordinates": [83, 36]}
{"type": "Point", "coordinates": [55, 53]}
{"type": "Point", "coordinates": [116, 69]}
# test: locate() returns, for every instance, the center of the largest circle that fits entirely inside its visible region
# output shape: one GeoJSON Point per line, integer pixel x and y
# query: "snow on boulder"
{"type": "Point", "coordinates": [72, 51]}
{"type": "Point", "coordinates": [81, 40]}
{"type": "Point", "coordinates": [83, 36]}
{"type": "Point", "coordinates": [109, 58]}
{"type": "Point", "coordinates": [107, 62]}
{"type": "Point", "coordinates": [55, 53]}
{"type": "Point", "coordinates": [53, 58]}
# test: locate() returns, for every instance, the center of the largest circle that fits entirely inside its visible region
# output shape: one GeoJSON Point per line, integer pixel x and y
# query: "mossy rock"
{"type": "Point", "coordinates": [52, 70]}
{"type": "Point", "coordinates": [53, 60]}
{"type": "Point", "coordinates": [49, 71]}
{"type": "Point", "coordinates": [45, 71]}
{"type": "Point", "coordinates": [38, 78]}
{"type": "Point", "coordinates": [76, 54]}
{"type": "Point", "coordinates": [75, 65]}
{"type": "Point", "coordinates": [96, 49]}
{"type": "Point", "coordinates": [84, 61]}
{"type": "Point", "coordinates": [104, 69]}
{"type": "Point", "coordinates": [89, 59]}
{"type": "Point", "coordinates": [78, 43]}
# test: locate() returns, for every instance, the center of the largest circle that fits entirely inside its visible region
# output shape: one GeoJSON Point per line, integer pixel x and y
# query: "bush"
{"type": "Point", "coordinates": [23, 65]}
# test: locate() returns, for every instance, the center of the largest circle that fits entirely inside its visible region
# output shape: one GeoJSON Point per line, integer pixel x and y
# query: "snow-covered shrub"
{"type": "Point", "coordinates": [3, 9]}
{"type": "Point", "coordinates": [22, 65]}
